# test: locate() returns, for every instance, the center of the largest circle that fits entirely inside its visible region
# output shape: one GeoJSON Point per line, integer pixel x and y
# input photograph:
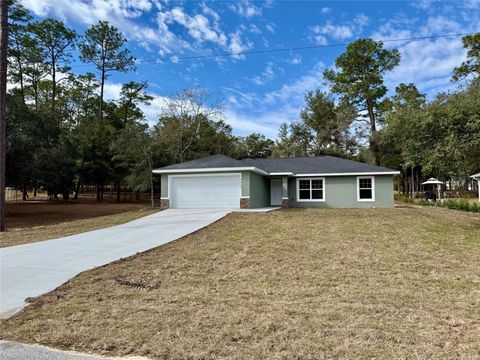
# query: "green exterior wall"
{"type": "Point", "coordinates": [164, 186]}
{"type": "Point", "coordinates": [259, 190]}
{"type": "Point", "coordinates": [341, 192]}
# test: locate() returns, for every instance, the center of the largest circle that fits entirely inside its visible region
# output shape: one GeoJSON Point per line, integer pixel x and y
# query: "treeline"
{"type": "Point", "coordinates": [62, 132]}
{"type": "Point", "coordinates": [355, 119]}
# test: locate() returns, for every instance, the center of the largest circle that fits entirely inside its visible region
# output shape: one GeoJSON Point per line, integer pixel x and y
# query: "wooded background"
{"type": "Point", "coordinates": [62, 133]}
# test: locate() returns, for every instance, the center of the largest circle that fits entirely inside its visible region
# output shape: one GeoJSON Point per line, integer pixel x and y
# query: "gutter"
{"type": "Point", "coordinates": [262, 172]}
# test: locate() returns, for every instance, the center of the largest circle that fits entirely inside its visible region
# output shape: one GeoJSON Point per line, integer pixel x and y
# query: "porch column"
{"type": "Point", "coordinates": [285, 192]}
{"type": "Point", "coordinates": [478, 185]}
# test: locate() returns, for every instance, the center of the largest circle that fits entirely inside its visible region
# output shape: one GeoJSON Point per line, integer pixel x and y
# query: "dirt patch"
{"type": "Point", "coordinates": [33, 221]}
{"type": "Point", "coordinates": [39, 213]}
{"type": "Point", "coordinates": [291, 284]}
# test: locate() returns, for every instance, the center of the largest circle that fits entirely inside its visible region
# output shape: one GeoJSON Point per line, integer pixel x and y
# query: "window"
{"type": "Point", "coordinates": [365, 188]}
{"type": "Point", "coordinates": [310, 189]}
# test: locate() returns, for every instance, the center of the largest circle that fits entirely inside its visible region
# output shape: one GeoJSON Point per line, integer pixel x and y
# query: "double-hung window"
{"type": "Point", "coordinates": [311, 189]}
{"type": "Point", "coordinates": [365, 188]}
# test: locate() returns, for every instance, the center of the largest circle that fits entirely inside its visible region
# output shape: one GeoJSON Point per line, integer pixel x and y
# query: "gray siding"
{"type": "Point", "coordinates": [341, 192]}
{"type": "Point", "coordinates": [259, 191]}
{"type": "Point", "coordinates": [164, 186]}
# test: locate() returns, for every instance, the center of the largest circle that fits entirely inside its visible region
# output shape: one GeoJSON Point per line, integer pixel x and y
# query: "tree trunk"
{"type": "Point", "coordinates": [373, 133]}
{"type": "Point", "coordinates": [54, 84]}
{"type": "Point", "coordinates": [98, 192]}
{"type": "Point", "coordinates": [412, 181]}
{"type": "Point", "coordinates": [152, 200]}
{"type": "Point", "coordinates": [102, 84]}
{"type": "Point", "coordinates": [3, 105]}
{"type": "Point", "coordinates": [24, 193]}
{"type": "Point", "coordinates": [77, 190]}
{"type": "Point", "coordinates": [119, 189]}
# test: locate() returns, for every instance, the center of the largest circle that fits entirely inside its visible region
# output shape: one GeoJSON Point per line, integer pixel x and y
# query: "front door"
{"type": "Point", "coordinates": [276, 192]}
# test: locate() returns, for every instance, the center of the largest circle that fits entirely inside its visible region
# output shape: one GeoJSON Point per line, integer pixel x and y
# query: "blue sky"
{"type": "Point", "coordinates": [263, 90]}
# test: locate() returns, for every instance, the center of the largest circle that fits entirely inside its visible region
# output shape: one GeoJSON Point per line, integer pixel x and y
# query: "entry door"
{"type": "Point", "coordinates": [276, 192]}
{"type": "Point", "coordinates": [212, 191]}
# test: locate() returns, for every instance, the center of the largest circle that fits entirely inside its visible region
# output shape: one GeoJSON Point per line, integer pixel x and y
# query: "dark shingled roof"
{"type": "Point", "coordinates": [296, 165]}
{"type": "Point", "coordinates": [311, 165]}
{"type": "Point", "coordinates": [214, 161]}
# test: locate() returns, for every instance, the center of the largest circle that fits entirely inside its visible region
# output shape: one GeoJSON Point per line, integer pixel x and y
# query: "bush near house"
{"type": "Point", "coordinates": [455, 204]}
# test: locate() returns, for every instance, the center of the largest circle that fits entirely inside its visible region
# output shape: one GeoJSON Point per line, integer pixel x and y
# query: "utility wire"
{"type": "Point", "coordinates": [290, 49]}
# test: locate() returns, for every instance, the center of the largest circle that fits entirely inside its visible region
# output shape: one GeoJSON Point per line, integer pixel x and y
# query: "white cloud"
{"type": "Point", "coordinates": [201, 27]}
{"type": "Point", "coordinates": [237, 46]}
{"type": "Point", "coordinates": [198, 26]}
{"type": "Point", "coordinates": [325, 10]}
{"type": "Point", "coordinates": [429, 62]}
{"type": "Point", "coordinates": [245, 8]}
{"type": "Point", "coordinates": [339, 31]}
{"type": "Point", "coordinates": [209, 11]}
{"type": "Point", "coordinates": [266, 75]}
{"type": "Point", "coordinates": [294, 92]}
{"type": "Point", "coordinates": [244, 124]}
{"type": "Point", "coordinates": [271, 28]}
{"type": "Point", "coordinates": [296, 60]}
{"type": "Point", "coordinates": [254, 29]}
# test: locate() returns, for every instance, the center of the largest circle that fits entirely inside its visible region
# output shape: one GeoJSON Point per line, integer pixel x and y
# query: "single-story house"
{"type": "Point", "coordinates": [324, 181]}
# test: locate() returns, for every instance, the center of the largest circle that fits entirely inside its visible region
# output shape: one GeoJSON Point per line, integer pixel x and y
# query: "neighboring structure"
{"type": "Point", "coordinates": [325, 181]}
{"type": "Point", "coordinates": [477, 177]}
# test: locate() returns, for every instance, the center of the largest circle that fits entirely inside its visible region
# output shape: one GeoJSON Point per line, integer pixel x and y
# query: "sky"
{"type": "Point", "coordinates": [260, 91]}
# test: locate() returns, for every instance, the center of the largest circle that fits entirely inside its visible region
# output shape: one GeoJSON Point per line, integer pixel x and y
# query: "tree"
{"type": "Point", "coordinates": [254, 146]}
{"type": "Point", "coordinates": [3, 105]}
{"type": "Point", "coordinates": [132, 95]}
{"type": "Point", "coordinates": [134, 149]}
{"type": "Point", "coordinates": [19, 41]}
{"type": "Point", "coordinates": [54, 41]}
{"type": "Point", "coordinates": [183, 119]}
{"type": "Point", "coordinates": [407, 95]}
{"type": "Point", "coordinates": [328, 124]}
{"type": "Point", "coordinates": [359, 81]}
{"type": "Point", "coordinates": [472, 65]}
{"type": "Point", "coordinates": [323, 128]}
{"type": "Point", "coordinates": [103, 46]}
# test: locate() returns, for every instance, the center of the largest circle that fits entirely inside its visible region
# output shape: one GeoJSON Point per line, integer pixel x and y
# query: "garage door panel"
{"type": "Point", "coordinates": [213, 191]}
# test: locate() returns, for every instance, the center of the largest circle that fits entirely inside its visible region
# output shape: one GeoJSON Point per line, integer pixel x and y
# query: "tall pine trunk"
{"type": "Point", "coordinates": [373, 133]}
{"type": "Point", "coordinates": [3, 105]}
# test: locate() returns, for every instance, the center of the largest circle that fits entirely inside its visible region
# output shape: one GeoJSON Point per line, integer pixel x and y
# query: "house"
{"type": "Point", "coordinates": [324, 181]}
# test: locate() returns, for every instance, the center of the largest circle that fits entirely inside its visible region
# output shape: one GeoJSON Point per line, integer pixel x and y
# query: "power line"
{"type": "Point", "coordinates": [289, 49]}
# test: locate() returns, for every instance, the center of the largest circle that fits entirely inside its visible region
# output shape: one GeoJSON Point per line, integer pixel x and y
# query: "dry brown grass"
{"type": "Point", "coordinates": [31, 222]}
{"type": "Point", "coordinates": [304, 284]}
{"type": "Point", "coordinates": [39, 213]}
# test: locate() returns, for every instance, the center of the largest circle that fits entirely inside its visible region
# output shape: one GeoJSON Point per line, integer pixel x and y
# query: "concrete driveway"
{"type": "Point", "coordinates": [33, 269]}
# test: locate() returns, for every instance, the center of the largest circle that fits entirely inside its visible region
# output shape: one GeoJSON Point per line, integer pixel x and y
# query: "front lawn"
{"type": "Point", "coordinates": [306, 284]}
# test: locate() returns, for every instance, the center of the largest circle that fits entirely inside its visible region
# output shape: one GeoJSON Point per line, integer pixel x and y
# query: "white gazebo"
{"type": "Point", "coordinates": [433, 182]}
{"type": "Point", "coordinates": [477, 177]}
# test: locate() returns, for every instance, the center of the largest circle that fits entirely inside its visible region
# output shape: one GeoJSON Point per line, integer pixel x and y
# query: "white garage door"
{"type": "Point", "coordinates": [210, 191]}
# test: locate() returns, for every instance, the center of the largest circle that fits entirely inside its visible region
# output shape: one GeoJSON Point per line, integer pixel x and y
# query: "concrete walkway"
{"type": "Point", "coordinates": [15, 351]}
{"type": "Point", "coordinates": [33, 269]}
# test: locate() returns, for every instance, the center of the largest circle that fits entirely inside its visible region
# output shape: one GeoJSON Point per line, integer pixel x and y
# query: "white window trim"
{"type": "Point", "coordinates": [373, 188]}
{"type": "Point", "coordinates": [311, 200]}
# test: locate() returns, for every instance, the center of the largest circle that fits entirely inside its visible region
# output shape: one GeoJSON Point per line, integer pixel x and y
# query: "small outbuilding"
{"type": "Point", "coordinates": [434, 183]}
{"type": "Point", "coordinates": [477, 177]}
